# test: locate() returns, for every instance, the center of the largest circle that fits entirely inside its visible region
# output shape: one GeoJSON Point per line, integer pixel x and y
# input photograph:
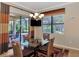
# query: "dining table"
{"type": "Point", "coordinates": [33, 46]}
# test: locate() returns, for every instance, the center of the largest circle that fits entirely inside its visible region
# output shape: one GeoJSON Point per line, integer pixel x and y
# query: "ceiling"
{"type": "Point", "coordinates": [38, 6]}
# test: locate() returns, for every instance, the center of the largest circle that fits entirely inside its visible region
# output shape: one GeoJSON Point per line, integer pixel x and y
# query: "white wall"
{"type": "Point", "coordinates": [38, 33]}
{"type": "Point", "coordinates": [18, 12]}
{"type": "Point", "coordinates": [70, 38]}
{"type": "Point", "coordinates": [72, 25]}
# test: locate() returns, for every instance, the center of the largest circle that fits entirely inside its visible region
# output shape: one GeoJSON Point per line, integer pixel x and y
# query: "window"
{"type": "Point", "coordinates": [24, 25]}
{"type": "Point", "coordinates": [10, 27]}
{"type": "Point", "coordinates": [46, 24]}
{"type": "Point", "coordinates": [17, 25]}
{"type": "Point", "coordinates": [58, 23]}
{"type": "Point", "coordinates": [53, 24]}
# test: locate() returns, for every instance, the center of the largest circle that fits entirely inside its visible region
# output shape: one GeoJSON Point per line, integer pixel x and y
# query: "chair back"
{"type": "Point", "coordinates": [50, 47]}
{"type": "Point", "coordinates": [46, 36]}
{"type": "Point", "coordinates": [17, 49]}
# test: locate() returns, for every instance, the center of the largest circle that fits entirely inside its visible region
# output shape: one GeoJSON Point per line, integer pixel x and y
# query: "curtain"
{"type": "Point", "coordinates": [4, 19]}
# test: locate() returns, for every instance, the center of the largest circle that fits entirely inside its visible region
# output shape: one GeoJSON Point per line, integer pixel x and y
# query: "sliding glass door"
{"type": "Point", "coordinates": [19, 30]}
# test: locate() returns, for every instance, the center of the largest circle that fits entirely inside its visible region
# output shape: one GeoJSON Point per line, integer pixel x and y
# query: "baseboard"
{"type": "Point", "coordinates": [65, 47]}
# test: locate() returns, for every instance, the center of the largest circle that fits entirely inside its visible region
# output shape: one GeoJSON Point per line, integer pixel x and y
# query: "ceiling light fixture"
{"type": "Point", "coordinates": [37, 16]}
